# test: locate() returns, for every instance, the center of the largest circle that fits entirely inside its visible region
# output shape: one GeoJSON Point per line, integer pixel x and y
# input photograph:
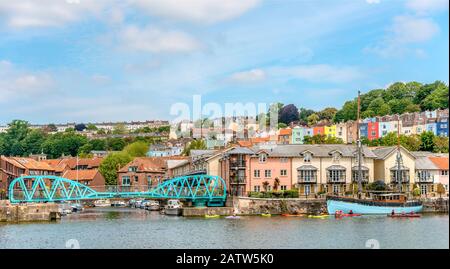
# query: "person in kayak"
{"type": "Point", "coordinates": [350, 212]}
{"type": "Point", "coordinates": [393, 212]}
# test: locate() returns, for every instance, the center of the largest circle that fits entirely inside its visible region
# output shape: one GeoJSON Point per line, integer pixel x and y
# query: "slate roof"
{"type": "Point", "coordinates": [323, 150]}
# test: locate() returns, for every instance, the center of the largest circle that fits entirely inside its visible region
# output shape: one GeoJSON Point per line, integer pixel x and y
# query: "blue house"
{"type": "Point", "coordinates": [431, 126]}
{"type": "Point", "coordinates": [364, 129]}
{"type": "Point", "coordinates": [442, 126]}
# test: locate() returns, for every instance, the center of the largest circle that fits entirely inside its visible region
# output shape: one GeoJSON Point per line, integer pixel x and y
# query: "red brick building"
{"type": "Point", "coordinates": [92, 178]}
{"type": "Point", "coordinates": [142, 173]}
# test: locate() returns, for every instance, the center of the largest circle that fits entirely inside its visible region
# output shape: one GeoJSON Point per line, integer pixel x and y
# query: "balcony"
{"type": "Point", "coordinates": [336, 180]}
{"type": "Point", "coordinates": [307, 180]}
{"type": "Point", "coordinates": [237, 164]}
{"type": "Point", "coordinates": [238, 180]}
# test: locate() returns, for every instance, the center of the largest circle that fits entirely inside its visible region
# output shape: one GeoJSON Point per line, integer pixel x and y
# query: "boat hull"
{"type": "Point", "coordinates": [358, 208]}
{"type": "Point", "coordinates": [173, 211]}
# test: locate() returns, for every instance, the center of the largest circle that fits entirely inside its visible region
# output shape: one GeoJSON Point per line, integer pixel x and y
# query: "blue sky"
{"type": "Point", "coordinates": [89, 61]}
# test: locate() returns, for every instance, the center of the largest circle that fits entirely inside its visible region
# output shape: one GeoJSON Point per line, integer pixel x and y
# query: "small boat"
{"type": "Point", "coordinates": [292, 215]}
{"type": "Point", "coordinates": [403, 215]}
{"type": "Point", "coordinates": [118, 204]}
{"type": "Point", "coordinates": [232, 217]}
{"type": "Point", "coordinates": [318, 216]}
{"type": "Point", "coordinates": [173, 208]}
{"type": "Point", "coordinates": [340, 214]}
{"type": "Point", "coordinates": [76, 207]}
{"type": "Point", "coordinates": [212, 216]}
{"type": "Point", "coordinates": [266, 215]}
{"type": "Point", "coordinates": [102, 203]}
{"type": "Point", "coordinates": [152, 206]}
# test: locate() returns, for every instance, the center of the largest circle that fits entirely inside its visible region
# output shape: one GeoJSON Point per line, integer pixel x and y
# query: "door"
{"type": "Point", "coordinates": [307, 190]}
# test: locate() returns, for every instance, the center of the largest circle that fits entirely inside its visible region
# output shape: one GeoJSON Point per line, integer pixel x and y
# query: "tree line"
{"type": "Point", "coordinates": [21, 140]}
{"type": "Point", "coordinates": [398, 98]}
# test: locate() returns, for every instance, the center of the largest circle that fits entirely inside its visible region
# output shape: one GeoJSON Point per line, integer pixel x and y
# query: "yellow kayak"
{"type": "Point", "coordinates": [212, 216]}
{"type": "Point", "coordinates": [266, 215]}
{"type": "Point", "coordinates": [318, 216]}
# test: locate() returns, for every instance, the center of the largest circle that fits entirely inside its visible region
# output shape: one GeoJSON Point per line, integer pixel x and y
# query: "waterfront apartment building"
{"type": "Point", "coordinates": [142, 173]}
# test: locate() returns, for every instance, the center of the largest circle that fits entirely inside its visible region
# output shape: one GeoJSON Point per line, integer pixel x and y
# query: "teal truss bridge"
{"type": "Point", "coordinates": [200, 189]}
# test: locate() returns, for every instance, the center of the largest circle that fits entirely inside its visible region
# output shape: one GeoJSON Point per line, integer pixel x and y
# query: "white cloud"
{"type": "Point", "coordinates": [373, 1]}
{"type": "Point", "coordinates": [45, 13]}
{"type": "Point", "coordinates": [254, 75]}
{"type": "Point", "coordinates": [16, 84]}
{"type": "Point", "coordinates": [151, 39]}
{"type": "Point", "coordinates": [427, 6]}
{"type": "Point", "coordinates": [320, 73]}
{"type": "Point", "coordinates": [405, 31]}
{"type": "Point", "coordinates": [200, 11]}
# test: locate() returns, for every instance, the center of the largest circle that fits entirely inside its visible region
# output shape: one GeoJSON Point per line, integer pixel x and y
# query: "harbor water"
{"type": "Point", "coordinates": [134, 228]}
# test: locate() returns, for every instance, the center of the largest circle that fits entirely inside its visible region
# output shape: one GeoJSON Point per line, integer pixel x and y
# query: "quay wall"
{"type": "Point", "coordinates": [202, 211]}
{"type": "Point", "coordinates": [256, 206]}
{"type": "Point", "coordinates": [29, 212]}
{"type": "Point", "coordinates": [439, 205]}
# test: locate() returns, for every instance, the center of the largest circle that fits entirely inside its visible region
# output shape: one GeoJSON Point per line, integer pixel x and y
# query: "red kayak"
{"type": "Point", "coordinates": [404, 216]}
{"type": "Point", "coordinates": [348, 215]}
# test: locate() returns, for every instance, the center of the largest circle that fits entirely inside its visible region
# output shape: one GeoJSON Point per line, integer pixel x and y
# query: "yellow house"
{"type": "Point", "coordinates": [386, 167]}
{"type": "Point", "coordinates": [330, 131]}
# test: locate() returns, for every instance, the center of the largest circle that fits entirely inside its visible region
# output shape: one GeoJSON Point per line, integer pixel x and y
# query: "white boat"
{"type": "Point", "coordinates": [152, 205]}
{"type": "Point", "coordinates": [173, 208]}
{"type": "Point", "coordinates": [77, 207]}
{"type": "Point", "coordinates": [118, 204]}
{"type": "Point", "coordinates": [102, 203]}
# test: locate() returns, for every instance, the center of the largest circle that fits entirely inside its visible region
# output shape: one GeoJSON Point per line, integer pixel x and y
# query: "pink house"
{"type": "Point", "coordinates": [264, 167]}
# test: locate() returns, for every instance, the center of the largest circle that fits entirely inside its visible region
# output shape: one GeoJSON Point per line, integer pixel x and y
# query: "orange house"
{"type": "Point", "coordinates": [319, 130]}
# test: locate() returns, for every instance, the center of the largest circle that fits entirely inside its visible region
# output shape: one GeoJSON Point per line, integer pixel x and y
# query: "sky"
{"type": "Point", "coordinates": [115, 60]}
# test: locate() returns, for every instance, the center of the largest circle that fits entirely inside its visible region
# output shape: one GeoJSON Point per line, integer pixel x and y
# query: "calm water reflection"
{"type": "Point", "coordinates": [135, 228]}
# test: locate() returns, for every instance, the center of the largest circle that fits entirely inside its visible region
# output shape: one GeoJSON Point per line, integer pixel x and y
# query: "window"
{"type": "Point", "coordinates": [126, 181]}
{"type": "Point", "coordinates": [307, 189]}
{"type": "Point", "coordinates": [336, 188]}
{"type": "Point", "coordinates": [423, 189]}
{"type": "Point", "coordinates": [283, 172]}
{"type": "Point", "coordinates": [283, 187]}
{"type": "Point", "coordinates": [284, 160]}
{"type": "Point", "coordinates": [136, 178]}
{"type": "Point", "coordinates": [444, 172]}
{"type": "Point", "coordinates": [132, 168]}
{"type": "Point", "coordinates": [262, 158]}
{"type": "Point", "coordinates": [256, 173]}
{"type": "Point", "coordinates": [365, 175]}
{"type": "Point", "coordinates": [336, 175]}
{"type": "Point", "coordinates": [307, 157]}
{"type": "Point", "coordinates": [307, 176]}
{"type": "Point", "coordinates": [257, 188]}
{"type": "Point", "coordinates": [424, 175]}
{"type": "Point", "coordinates": [269, 188]}
{"type": "Point", "coordinates": [149, 180]}
{"type": "Point", "coordinates": [267, 173]}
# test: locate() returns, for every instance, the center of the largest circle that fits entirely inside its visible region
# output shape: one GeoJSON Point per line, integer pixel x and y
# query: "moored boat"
{"type": "Point", "coordinates": [118, 204]}
{"type": "Point", "coordinates": [102, 203]}
{"type": "Point", "coordinates": [212, 216]}
{"type": "Point", "coordinates": [379, 204]}
{"type": "Point", "coordinates": [266, 215]}
{"type": "Point", "coordinates": [404, 215]}
{"type": "Point", "coordinates": [173, 208]}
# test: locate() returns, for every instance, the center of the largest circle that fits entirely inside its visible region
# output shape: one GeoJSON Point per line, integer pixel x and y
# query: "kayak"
{"type": "Point", "coordinates": [266, 215]}
{"type": "Point", "coordinates": [212, 216]}
{"type": "Point", "coordinates": [347, 215]}
{"type": "Point", "coordinates": [404, 216]}
{"type": "Point", "coordinates": [292, 215]}
{"type": "Point", "coordinates": [318, 216]}
{"type": "Point", "coordinates": [232, 217]}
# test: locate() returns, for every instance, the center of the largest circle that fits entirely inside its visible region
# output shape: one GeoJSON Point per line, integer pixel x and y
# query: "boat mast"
{"type": "Point", "coordinates": [358, 141]}
{"type": "Point", "coordinates": [399, 158]}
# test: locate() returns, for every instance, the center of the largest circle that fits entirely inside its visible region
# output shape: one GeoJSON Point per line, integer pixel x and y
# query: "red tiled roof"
{"type": "Point", "coordinates": [29, 163]}
{"type": "Point", "coordinates": [286, 131]}
{"type": "Point", "coordinates": [245, 143]}
{"type": "Point", "coordinates": [440, 162]}
{"type": "Point", "coordinates": [147, 164]}
{"type": "Point", "coordinates": [80, 174]}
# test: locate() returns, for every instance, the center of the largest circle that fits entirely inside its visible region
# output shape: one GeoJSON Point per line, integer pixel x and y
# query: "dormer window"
{"type": "Point", "coordinates": [336, 156]}
{"type": "Point", "coordinates": [262, 157]}
{"type": "Point", "coordinates": [307, 157]}
{"type": "Point", "coordinates": [132, 169]}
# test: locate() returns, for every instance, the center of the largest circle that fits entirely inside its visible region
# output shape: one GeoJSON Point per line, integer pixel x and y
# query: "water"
{"type": "Point", "coordinates": [135, 228]}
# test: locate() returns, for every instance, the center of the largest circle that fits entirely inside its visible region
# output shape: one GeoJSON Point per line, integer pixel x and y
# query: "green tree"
{"type": "Point", "coordinates": [348, 112]}
{"type": "Point", "coordinates": [111, 164]}
{"type": "Point", "coordinates": [91, 127]}
{"type": "Point", "coordinates": [136, 149]}
{"type": "Point", "coordinates": [32, 143]}
{"type": "Point", "coordinates": [440, 144]}
{"type": "Point", "coordinates": [195, 144]}
{"type": "Point", "coordinates": [410, 142]}
{"type": "Point", "coordinates": [440, 189]}
{"type": "Point", "coordinates": [327, 114]}
{"type": "Point", "coordinates": [282, 125]}
{"type": "Point", "coordinates": [313, 119]}
{"type": "Point", "coordinates": [115, 144]}
{"type": "Point", "coordinates": [437, 99]}
{"type": "Point", "coordinates": [427, 141]}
